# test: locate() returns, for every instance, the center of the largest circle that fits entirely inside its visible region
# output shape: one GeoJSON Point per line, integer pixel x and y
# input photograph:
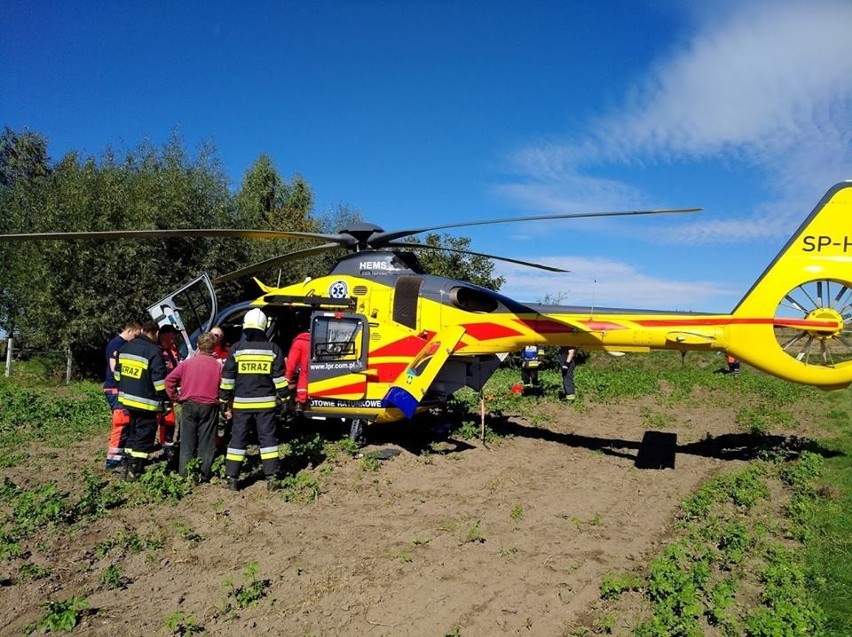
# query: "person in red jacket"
{"type": "Point", "coordinates": [220, 349]}
{"type": "Point", "coordinates": [194, 383]}
{"type": "Point", "coordinates": [167, 420]}
{"type": "Point", "coordinates": [297, 366]}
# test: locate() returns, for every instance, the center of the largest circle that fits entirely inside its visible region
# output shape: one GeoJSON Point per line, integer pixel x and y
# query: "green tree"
{"type": "Point", "coordinates": [262, 193]}
{"type": "Point", "coordinates": [79, 292]}
{"type": "Point", "coordinates": [468, 267]}
{"type": "Point", "coordinates": [23, 158]}
{"type": "Point", "coordinates": [74, 294]}
{"type": "Point", "coordinates": [24, 173]}
{"type": "Point", "coordinates": [266, 201]}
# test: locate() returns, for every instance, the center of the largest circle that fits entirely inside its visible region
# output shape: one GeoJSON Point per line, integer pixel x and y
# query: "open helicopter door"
{"type": "Point", "coordinates": [411, 385]}
{"type": "Point", "coordinates": [190, 310]}
{"type": "Point", "coordinates": [339, 347]}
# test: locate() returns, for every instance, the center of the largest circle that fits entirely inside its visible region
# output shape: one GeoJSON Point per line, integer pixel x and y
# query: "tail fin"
{"type": "Point", "coordinates": [796, 321]}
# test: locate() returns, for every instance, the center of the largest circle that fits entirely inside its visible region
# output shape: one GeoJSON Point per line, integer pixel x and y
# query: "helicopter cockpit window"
{"type": "Point", "coordinates": [336, 339]}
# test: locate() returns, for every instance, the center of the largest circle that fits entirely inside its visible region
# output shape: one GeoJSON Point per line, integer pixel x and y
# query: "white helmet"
{"type": "Point", "coordinates": [254, 319]}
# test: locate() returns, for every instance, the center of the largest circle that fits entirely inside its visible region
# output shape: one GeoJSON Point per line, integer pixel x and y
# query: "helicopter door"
{"type": "Point", "coordinates": [190, 310]}
{"type": "Point", "coordinates": [339, 344]}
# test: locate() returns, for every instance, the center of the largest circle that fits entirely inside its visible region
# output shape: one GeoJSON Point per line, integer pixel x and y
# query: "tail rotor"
{"type": "Point", "coordinates": [824, 300]}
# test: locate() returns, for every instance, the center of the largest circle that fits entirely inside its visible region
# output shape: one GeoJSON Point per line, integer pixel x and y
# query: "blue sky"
{"type": "Point", "coordinates": [437, 112]}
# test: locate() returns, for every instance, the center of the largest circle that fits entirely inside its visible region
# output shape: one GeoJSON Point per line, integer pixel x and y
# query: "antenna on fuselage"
{"type": "Point", "coordinates": [592, 313]}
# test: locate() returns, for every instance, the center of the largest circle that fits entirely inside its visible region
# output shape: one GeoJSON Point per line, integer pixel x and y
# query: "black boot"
{"type": "Point", "coordinates": [131, 469]}
{"type": "Point", "coordinates": [233, 484]}
{"type": "Point", "coordinates": [137, 468]}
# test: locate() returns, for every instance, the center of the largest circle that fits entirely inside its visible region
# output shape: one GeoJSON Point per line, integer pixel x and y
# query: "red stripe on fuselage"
{"type": "Point", "coordinates": [489, 331]}
{"type": "Point", "coordinates": [354, 388]}
{"type": "Point", "coordinates": [408, 346]}
{"type": "Point", "coordinates": [547, 326]}
{"type": "Point", "coordinates": [388, 372]}
{"type": "Point", "coordinates": [603, 326]}
{"type": "Point", "coordinates": [780, 322]}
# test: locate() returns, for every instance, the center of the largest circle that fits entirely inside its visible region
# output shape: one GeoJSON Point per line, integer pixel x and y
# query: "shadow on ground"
{"type": "Point", "coordinates": [658, 449]}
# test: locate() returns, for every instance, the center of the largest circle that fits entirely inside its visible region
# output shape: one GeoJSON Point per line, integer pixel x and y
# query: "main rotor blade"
{"type": "Point", "coordinates": [177, 233]}
{"type": "Point", "coordinates": [406, 244]}
{"type": "Point", "coordinates": [270, 263]}
{"type": "Point", "coordinates": [384, 238]}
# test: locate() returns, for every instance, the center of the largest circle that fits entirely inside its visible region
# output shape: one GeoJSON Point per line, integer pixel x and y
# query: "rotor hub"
{"type": "Point", "coordinates": [825, 314]}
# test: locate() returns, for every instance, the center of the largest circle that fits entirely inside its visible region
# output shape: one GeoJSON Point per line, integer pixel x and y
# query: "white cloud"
{"type": "Point", "coordinates": [757, 82]}
{"type": "Point", "coordinates": [605, 283]}
{"type": "Point", "coordinates": [770, 85]}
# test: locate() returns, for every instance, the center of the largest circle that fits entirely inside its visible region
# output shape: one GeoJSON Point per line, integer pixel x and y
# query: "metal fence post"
{"type": "Point", "coordinates": [8, 356]}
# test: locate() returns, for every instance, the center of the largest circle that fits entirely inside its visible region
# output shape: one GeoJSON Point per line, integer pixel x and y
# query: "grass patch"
{"type": "Point", "coordinates": [60, 615]}
{"type": "Point", "coordinates": [129, 542]}
{"type": "Point", "coordinates": [304, 487]}
{"type": "Point", "coordinates": [181, 624]}
{"type": "Point", "coordinates": [824, 515]}
{"type": "Point", "coordinates": [247, 594]}
{"type": "Point", "coordinates": [724, 542]}
{"type": "Point", "coordinates": [53, 416]}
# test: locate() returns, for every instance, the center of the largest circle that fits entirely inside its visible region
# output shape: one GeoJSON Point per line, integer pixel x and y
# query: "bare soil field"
{"type": "Point", "coordinates": [445, 536]}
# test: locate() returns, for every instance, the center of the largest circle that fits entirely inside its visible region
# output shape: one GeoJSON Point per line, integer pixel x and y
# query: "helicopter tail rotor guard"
{"type": "Point", "coordinates": [807, 290]}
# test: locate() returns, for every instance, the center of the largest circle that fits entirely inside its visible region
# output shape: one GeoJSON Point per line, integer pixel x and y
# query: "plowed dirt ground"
{"type": "Point", "coordinates": [446, 537]}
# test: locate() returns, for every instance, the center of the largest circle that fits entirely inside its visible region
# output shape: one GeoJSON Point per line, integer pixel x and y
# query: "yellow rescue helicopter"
{"type": "Point", "coordinates": [388, 340]}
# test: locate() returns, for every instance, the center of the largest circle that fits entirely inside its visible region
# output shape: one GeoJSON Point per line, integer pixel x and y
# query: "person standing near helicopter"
{"type": "Point", "coordinates": [567, 362]}
{"type": "Point", "coordinates": [252, 385]}
{"type": "Point", "coordinates": [141, 375]}
{"type": "Point", "coordinates": [297, 367]}
{"type": "Point", "coordinates": [167, 420]}
{"type": "Point", "coordinates": [120, 417]}
{"type": "Point", "coordinates": [530, 363]}
{"type": "Point", "coordinates": [194, 383]}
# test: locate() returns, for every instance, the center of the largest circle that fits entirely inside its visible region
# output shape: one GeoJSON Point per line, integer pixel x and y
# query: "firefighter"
{"type": "Point", "coordinates": [141, 375]}
{"type": "Point", "coordinates": [252, 386]}
{"type": "Point", "coordinates": [120, 417]}
{"type": "Point", "coordinates": [530, 362]}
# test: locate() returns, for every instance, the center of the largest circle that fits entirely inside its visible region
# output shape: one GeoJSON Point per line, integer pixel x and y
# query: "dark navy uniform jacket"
{"type": "Point", "coordinates": [141, 375]}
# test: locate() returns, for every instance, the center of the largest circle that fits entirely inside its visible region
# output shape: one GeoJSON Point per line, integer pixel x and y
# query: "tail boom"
{"type": "Point", "coordinates": [794, 323]}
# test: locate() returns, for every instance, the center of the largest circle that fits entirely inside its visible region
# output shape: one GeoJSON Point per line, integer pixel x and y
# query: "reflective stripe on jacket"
{"type": "Point", "coordinates": [252, 376]}
{"type": "Point", "coordinates": [141, 375]}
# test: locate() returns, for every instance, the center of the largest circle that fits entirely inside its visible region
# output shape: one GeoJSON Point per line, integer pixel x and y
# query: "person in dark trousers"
{"type": "Point", "coordinates": [120, 417]}
{"type": "Point", "coordinates": [733, 364]}
{"type": "Point", "coordinates": [194, 383]}
{"type": "Point", "coordinates": [567, 362]}
{"type": "Point", "coordinates": [141, 375]}
{"type": "Point", "coordinates": [530, 363]}
{"type": "Point", "coordinates": [252, 386]}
